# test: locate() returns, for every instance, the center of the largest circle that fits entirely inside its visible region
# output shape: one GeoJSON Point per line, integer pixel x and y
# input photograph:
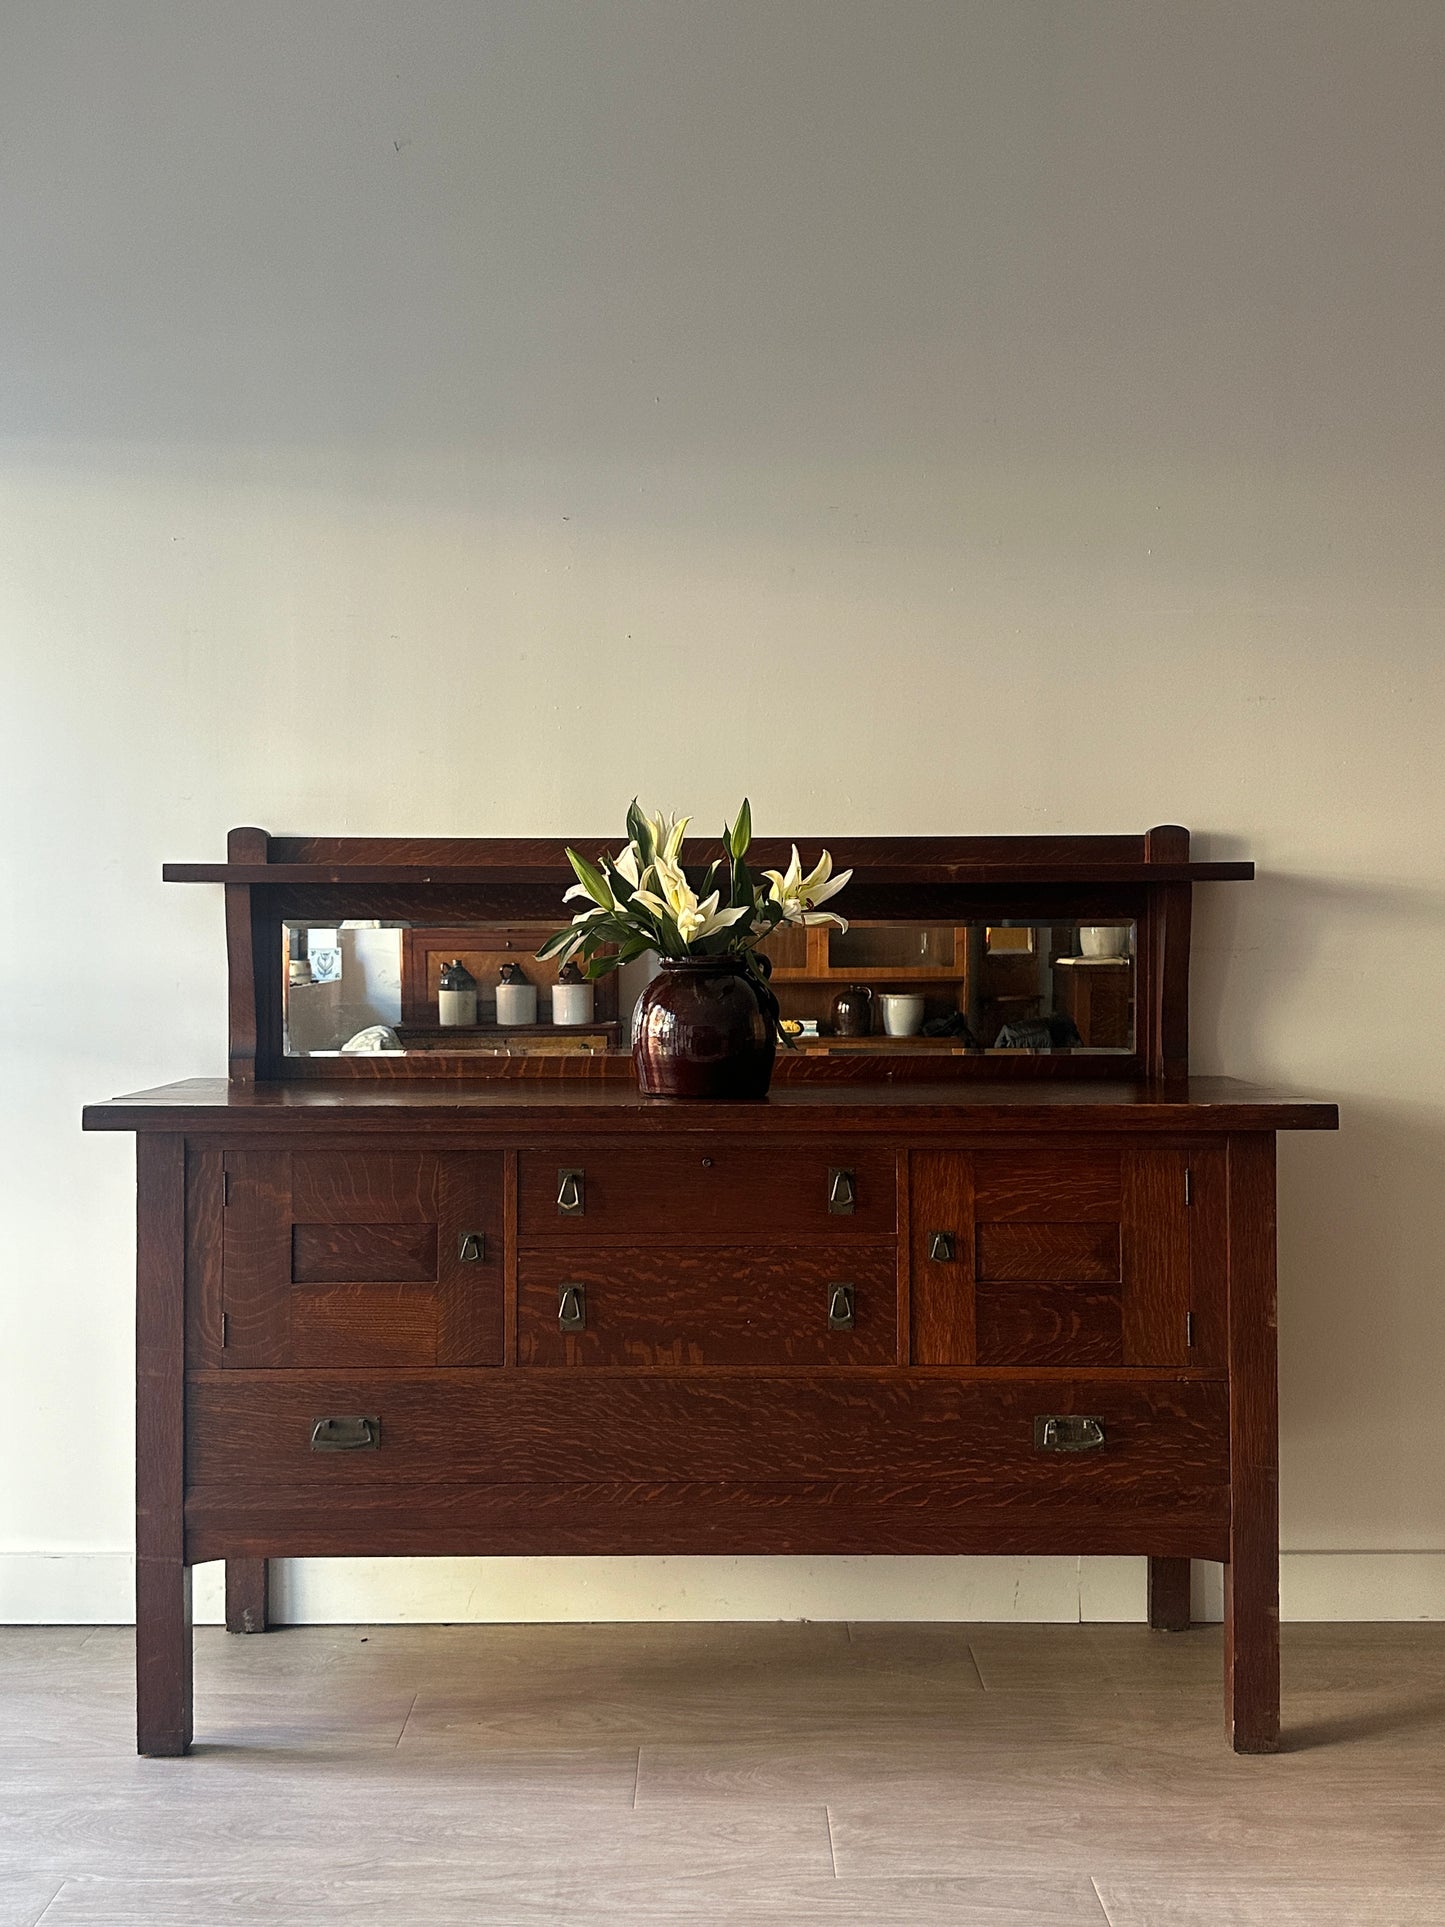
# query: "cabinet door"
{"type": "Point", "coordinates": [1076, 1257]}
{"type": "Point", "coordinates": [336, 1258]}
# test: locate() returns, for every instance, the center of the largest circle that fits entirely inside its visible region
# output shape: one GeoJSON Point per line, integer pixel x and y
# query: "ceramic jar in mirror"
{"type": "Point", "coordinates": [902, 1014]}
{"type": "Point", "coordinates": [516, 997]}
{"type": "Point", "coordinates": [852, 1012]}
{"type": "Point", "coordinates": [1104, 939]}
{"type": "Point", "coordinates": [571, 997]}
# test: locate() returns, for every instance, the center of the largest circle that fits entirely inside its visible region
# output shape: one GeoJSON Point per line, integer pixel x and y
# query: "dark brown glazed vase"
{"type": "Point", "coordinates": [700, 1030]}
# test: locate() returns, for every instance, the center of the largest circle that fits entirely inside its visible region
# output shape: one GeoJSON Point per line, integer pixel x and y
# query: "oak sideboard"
{"type": "Point", "coordinates": [932, 1296]}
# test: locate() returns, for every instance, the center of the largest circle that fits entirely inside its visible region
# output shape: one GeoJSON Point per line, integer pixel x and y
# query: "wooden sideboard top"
{"type": "Point", "coordinates": [211, 1104]}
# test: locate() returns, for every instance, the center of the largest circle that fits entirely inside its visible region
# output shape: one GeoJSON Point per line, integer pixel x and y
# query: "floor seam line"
{"type": "Point", "coordinates": [1108, 1918]}
{"type": "Point", "coordinates": [832, 1850]}
{"type": "Point", "coordinates": [407, 1721]}
{"type": "Point", "coordinates": [636, 1779]}
{"type": "Point", "coordinates": [65, 1882]}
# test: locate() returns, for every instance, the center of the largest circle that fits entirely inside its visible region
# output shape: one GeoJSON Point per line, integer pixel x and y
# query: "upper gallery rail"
{"type": "Point", "coordinates": [1158, 856]}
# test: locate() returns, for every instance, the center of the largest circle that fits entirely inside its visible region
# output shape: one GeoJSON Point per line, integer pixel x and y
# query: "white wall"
{"type": "Point", "coordinates": [991, 415]}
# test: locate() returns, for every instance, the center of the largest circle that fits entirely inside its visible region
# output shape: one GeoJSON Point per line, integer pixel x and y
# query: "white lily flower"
{"type": "Point", "coordinates": [641, 897]}
{"type": "Point", "coordinates": [667, 833]}
{"type": "Point", "coordinates": [800, 895]}
{"type": "Point", "coordinates": [678, 900]}
{"type": "Point", "coordinates": [628, 865]}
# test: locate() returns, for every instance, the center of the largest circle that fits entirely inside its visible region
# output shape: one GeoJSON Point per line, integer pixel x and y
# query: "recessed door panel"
{"type": "Point", "coordinates": [361, 1258]}
{"type": "Point", "coordinates": [1066, 1257]}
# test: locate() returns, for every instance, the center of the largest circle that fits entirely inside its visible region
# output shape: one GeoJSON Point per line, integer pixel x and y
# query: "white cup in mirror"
{"type": "Point", "coordinates": [902, 1015]}
{"type": "Point", "coordinates": [1104, 939]}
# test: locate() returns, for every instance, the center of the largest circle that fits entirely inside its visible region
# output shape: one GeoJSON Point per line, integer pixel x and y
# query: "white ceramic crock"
{"type": "Point", "coordinates": [902, 1014]}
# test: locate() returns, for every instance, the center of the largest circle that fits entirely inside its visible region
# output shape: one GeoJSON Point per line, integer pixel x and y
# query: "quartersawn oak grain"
{"type": "Point", "coordinates": [1165, 1435]}
{"type": "Point", "coordinates": [725, 1305]}
{"type": "Point", "coordinates": [719, 1192]}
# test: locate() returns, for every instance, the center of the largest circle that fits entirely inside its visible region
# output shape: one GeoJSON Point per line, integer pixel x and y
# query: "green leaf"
{"type": "Point", "coordinates": [553, 944]}
{"type": "Point", "coordinates": [639, 833]}
{"type": "Point", "coordinates": [671, 943]}
{"type": "Point", "coordinates": [591, 879]}
{"type": "Point", "coordinates": [617, 883]}
{"type": "Point", "coordinates": [742, 832]}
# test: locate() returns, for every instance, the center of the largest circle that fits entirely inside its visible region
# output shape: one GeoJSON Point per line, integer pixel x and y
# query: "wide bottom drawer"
{"type": "Point", "coordinates": [368, 1432]}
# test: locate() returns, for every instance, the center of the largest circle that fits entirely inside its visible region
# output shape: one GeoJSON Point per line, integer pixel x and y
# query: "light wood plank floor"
{"type": "Point", "coordinates": [882, 1776]}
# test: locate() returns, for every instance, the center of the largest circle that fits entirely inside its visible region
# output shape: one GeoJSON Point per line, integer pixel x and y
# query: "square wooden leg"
{"type": "Point", "coordinates": [1169, 1603]}
{"type": "Point", "coordinates": [162, 1577]}
{"type": "Point", "coordinates": [163, 1657]}
{"type": "Point", "coordinates": [1251, 1653]}
{"type": "Point", "coordinates": [1251, 1578]}
{"type": "Point", "coordinates": [247, 1596]}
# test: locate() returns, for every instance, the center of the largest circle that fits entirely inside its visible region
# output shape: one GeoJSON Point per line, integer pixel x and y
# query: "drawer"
{"type": "Point", "coordinates": [833, 1304]}
{"type": "Point", "coordinates": [1164, 1444]}
{"type": "Point", "coordinates": [723, 1193]}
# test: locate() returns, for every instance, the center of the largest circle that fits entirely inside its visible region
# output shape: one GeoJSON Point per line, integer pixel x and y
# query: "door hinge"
{"type": "Point", "coordinates": [225, 1187]}
{"type": "Point", "coordinates": [225, 1330]}
{"type": "Point", "coordinates": [1188, 1185]}
{"type": "Point", "coordinates": [1189, 1331]}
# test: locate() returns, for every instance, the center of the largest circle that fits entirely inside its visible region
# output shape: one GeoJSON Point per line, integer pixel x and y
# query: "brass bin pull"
{"type": "Point", "coordinates": [840, 1308]}
{"type": "Point", "coordinates": [572, 1308]}
{"type": "Point", "coordinates": [941, 1247]}
{"type": "Point", "coordinates": [842, 1193]}
{"type": "Point", "coordinates": [346, 1434]}
{"type": "Point", "coordinates": [571, 1197]}
{"type": "Point", "coordinates": [1062, 1432]}
{"type": "Point", "coordinates": [471, 1247]}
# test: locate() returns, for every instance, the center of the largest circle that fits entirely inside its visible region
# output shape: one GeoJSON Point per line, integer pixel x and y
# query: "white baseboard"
{"type": "Point", "coordinates": [97, 1588]}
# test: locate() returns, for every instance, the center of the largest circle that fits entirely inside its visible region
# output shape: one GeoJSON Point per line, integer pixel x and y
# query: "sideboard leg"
{"type": "Point", "coordinates": [247, 1596]}
{"type": "Point", "coordinates": [163, 1657]}
{"type": "Point", "coordinates": [162, 1577]}
{"type": "Point", "coordinates": [1251, 1578]}
{"type": "Point", "coordinates": [1169, 1605]}
{"type": "Point", "coordinates": [1251, 1654]}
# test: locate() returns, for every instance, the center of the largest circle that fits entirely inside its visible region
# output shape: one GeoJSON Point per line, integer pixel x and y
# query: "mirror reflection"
{"type": "Point", "coordinates": [1042, 988]}
{"type": "Point", "coordinates": [399, 988]}
{"type": "Point", "coordinates": [882, 986]}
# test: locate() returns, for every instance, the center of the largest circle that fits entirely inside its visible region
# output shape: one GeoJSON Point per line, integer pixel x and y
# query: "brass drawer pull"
{"type": "Point", "coordinates": [941, 1248]}
{"type": "Point", "coordinates": [572, 1308]}
{"type": "Point", "coordinates": [346, 1435]}
{"type": "Point", "coordinates": [472, 1247]}
{"type": "Point", "coordinates": [1065, 1433]}
{"type": "Point", "coordinates": [571, 1197]}
{"type": "Point", "coordinates": [842, 1193]}
{"type": "Point", "coordinates": [840, 1308]}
